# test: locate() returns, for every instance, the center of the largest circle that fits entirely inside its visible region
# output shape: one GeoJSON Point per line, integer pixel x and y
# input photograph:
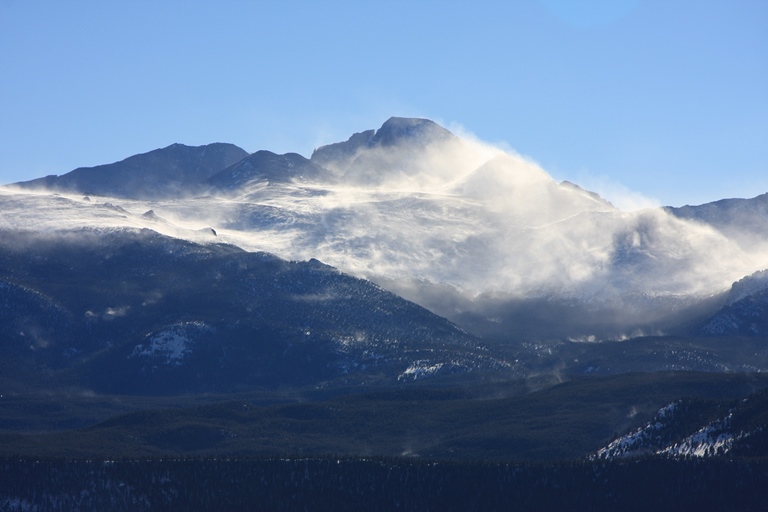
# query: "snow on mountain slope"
{"type": "Point", "coordinates": [643, 441]}
{"type": "Point", "coordinates": [696, 428]}
{"type": "Point", "coordinates": [171, 345]}
{"type": "Point", "coordinates": [412, 206]}
{"type": "Point", "coordinates": [53, 212]}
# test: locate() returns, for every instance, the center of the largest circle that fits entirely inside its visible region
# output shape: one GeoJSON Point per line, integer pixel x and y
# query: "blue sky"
{"type": "Point", "coordinates": [661, 99]}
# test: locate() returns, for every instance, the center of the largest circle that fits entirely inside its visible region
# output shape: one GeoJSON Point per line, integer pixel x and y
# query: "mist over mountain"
{"type": "Point", "coordinates": [476, 234]}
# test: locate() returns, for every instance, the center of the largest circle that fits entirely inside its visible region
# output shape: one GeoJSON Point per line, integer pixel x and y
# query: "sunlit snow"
{"type": "Point", "coordinates": [173, 344]}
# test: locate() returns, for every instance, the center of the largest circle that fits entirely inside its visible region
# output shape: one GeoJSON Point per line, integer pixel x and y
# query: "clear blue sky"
{"type": "Point", "coordinates": [667, 98]}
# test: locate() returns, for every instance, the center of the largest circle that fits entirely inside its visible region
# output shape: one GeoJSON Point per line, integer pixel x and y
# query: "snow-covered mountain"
{"type": "Point", "coordinates": [479, 235]}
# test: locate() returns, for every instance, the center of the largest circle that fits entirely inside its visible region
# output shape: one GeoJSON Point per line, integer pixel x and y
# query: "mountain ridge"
{"type": "Point", "coordinates": [480, 236]}
{"type": "Point", "coordinates": [159, 173]}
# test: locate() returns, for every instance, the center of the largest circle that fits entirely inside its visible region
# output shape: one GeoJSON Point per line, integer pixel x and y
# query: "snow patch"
{"type": "Point", "coordinates": [420, 369]}
{"type": "Point", "coordinates": [712, 439]}
{"type": "Point", "coordinates": [173, 344]}
{"type": "Point", "coordinates": [641, 441]}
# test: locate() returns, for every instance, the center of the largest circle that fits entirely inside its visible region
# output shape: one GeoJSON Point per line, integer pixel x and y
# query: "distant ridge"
{"type": "Point", "coordinates": [176, 170]}
{"type": "Point", "coordinates": [741, 219]}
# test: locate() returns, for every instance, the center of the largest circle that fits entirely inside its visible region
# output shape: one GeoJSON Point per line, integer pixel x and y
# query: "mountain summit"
{"type": "Point", "coordinates": [395, 151]}
{"type": "Point", "coordinates": [394, 131]}
{"type": "Point", "coordinates": [398, 130]}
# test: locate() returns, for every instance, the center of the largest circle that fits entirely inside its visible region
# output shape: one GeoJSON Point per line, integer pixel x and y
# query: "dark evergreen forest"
{"type": "Point", "coordinates": [382, 484]}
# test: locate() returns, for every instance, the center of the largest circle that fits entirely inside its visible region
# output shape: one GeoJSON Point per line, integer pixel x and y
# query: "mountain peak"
{"type": "Point", "coordinates": [395, 131]}
{"type": "Point", "coordinates": [399, 129]}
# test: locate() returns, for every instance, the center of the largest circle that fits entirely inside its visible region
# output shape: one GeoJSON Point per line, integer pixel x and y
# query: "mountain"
{"type": "Point", "coordinates": [132, 311]}
{"type": "Point", "coordinates": [483, 237]}
{"type": "Point", "coordinates": [176, 170]}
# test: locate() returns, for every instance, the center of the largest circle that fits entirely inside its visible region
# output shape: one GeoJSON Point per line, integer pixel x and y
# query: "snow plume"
{"type": "Point", "coordinates": [47, 212]}
{"type": "Point", "coordinates": [459, 212]}
{"type": "Point", "coordinates": [620, 195]}
{"type": "Point", "coordinates": [447, 221]}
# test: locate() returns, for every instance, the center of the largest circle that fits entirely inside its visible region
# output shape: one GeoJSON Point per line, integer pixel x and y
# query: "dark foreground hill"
{"type": "Point", "coordinates": [127, 311]}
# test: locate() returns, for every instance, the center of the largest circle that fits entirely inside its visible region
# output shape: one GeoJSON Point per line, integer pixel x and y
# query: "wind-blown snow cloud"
{"type": "Point", "coordinates": [482, 220]}
{"type": "Point", "coordinates": [620, 195]}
